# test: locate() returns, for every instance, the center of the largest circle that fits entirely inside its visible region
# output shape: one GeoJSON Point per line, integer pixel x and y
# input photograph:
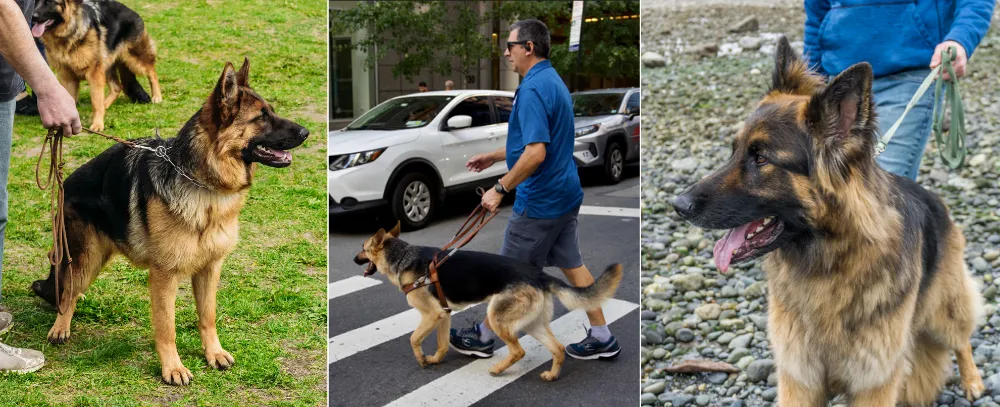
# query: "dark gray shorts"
{"type": "Point", "coordinates": [543, 242]}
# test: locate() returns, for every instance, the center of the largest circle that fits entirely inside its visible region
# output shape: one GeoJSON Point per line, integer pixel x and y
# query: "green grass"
{"type": "Point", "coordinates": [272, 303]}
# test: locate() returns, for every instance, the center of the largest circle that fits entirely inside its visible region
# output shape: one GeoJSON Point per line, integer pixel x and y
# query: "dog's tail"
{"type": "Point", "coordinates": [133, 89]}
{"type": "Point", "coordinates": [589, 297]}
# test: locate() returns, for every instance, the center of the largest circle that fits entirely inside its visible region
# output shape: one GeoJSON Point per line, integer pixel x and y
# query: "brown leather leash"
{"type": "Point", "coordinates": [473, 224]}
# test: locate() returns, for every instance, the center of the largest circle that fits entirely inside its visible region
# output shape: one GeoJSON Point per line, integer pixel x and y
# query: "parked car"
{"type": "Point", "coordinates": [607, 129]}
{"type": "Point", "coordinates": [410, 151]}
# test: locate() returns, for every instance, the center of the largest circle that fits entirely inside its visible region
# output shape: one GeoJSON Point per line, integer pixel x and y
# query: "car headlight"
{"type": "Point", "coordinates": [343, 161]}
{"type": "Point", "coordinates": [585, 130]}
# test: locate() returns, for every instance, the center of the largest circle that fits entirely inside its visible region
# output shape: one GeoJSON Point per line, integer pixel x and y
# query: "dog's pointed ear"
{"type": "Point", "coordinates": [395, 230]}
{"type": "Point", "coordinates": [243, 76]}
{"type": "Point", "coordinates": [791, 74]}
{"type": "Point", "coordinates": [845, 107]}
{"type": "Point", "coordinates": [379, 237]}
{"type": "Point", "coordinates": [226, 90]}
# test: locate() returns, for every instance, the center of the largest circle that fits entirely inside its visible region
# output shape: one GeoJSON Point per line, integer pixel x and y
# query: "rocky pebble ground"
{"type": "Point", "coordinates": [704, 68]}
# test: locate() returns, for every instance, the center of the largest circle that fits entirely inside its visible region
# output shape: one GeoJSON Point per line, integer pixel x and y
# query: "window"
{"type": "Point", "coordinates": [596, 104]}
{"type": "Point", "coordinates": [477, 107]}
{"type": "Point", "coordinates": [633, 103]}
{"type": "Point", "coordinates": [401, 113]}
{"type": "Point", "coordinates": [341, 89]}
{"type": "Point", "coordinates": [504, 105]}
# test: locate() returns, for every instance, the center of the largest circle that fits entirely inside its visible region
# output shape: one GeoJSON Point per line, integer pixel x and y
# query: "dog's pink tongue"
{"type": "Point", "coordinates": [723, 251]}
{"type": "Point", "coordinates": [39, 28]}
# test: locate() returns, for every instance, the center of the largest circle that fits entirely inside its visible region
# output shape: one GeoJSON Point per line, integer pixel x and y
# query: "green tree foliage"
{"type": "Point", "coordinates": [428, 34]}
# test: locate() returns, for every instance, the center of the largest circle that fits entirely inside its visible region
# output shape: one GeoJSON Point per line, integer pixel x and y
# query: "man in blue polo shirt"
{"type": "Point", "coordinates": [539, 154]}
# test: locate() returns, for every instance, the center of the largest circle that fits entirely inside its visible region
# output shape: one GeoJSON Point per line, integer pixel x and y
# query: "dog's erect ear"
{"type": "Point", "coordinates": [845, 107]}
{"type": "Point", "coordinates": [226, 89]}
{"type": "Point", "coordinates": [243, 76]}
{"type": "Point", "coordinates": [791, 73]}
{"type": "Point", "coordinates": [395, 230]}
{"type": "Point", "coordinates": [379, 237]}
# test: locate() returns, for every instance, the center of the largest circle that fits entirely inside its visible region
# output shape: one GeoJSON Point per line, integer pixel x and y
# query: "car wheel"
{"type": "Point", "coordinates": [413, 201]}
{"type": "Point", "coordinates": [614, 163]}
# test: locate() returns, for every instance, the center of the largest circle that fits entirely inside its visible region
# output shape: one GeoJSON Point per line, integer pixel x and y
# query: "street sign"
{"type": "Point", "coordinates": [574, 31]}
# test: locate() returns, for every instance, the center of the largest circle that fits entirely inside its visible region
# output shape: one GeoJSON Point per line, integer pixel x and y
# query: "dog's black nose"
{"type": "Point", "coordinates": [303, 133]}
{"type": "Point", "coordinates": [684, 205]}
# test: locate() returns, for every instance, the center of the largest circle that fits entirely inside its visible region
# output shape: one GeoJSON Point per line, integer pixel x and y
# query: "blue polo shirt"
{"type": "Point", "coordinates": [543, 113]}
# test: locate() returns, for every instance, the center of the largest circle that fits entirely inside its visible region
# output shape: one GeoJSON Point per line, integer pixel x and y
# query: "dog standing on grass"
{"type": "Point", "coordinates": [132, 202]}
{"type": "Point", "coordinates": [102, 42]}
{"type": "Point", "coordinates": [868, 290]}
{"type": "Point", "coordinates": [519, 295]}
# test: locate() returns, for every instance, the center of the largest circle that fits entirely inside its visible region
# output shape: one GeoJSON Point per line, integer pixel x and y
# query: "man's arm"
{"type": "Point", "coordinates": [815, 12]}
{"type": "Point", "coordinates": [531, 159]}
{"type": "Point", "coordinates": [972, 20]}
{"type": "Point", "coordinates": [534, 122]}
{"type": "Point", "coordinates": [55, 106]}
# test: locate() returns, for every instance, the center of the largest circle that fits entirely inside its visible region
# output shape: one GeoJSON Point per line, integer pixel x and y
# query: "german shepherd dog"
{"type": "Point", "coordinates": [869, 294]}
{"type": "Point", "coordinates": [102, 42]}
{"type": "Point", "coordinates": [519, 295]}
{"type": "Point", "coordinates": [132, 202]}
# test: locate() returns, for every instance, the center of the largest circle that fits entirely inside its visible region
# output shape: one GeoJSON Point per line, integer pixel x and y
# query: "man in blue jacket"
{"type": "Point", "coordinates": [902, 40]}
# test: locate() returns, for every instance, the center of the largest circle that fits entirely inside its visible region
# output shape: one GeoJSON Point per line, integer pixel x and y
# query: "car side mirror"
{"type": "Point", "coordinates": [459, 122]}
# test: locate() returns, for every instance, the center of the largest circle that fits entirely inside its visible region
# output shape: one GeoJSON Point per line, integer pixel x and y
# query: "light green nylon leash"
{"type": "Point", "coordinates": [951, 146]}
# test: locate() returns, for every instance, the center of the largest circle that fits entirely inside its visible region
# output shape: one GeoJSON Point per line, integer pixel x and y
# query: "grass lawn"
{"type": "Point", "coordinates": [271, 303]}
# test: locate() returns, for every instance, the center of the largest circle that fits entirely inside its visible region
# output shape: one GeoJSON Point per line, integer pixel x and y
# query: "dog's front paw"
{"type": "Point", "coordinates": [58, 334]}
{"type": "Point", "coordinates": [422, 360]}
{"type": "Point", "coordinates": [974, 389]}
{"type": "Point", "coordinates": [549, 376]}
{"type": "Point", "coordinates": [177, 375]}
{"type": "Point", "coordinates": [157, 99]}
{"type": "Point", "coordinates": [433, 360]}
{"type": "Point", "coordinates": [496, 369]}
{"type": "Point", "coordinates": [220, 359]}
{"type": "Point", "coordinates": [97, 125]}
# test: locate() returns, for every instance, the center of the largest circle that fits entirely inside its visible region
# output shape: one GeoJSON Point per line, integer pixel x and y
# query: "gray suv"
{"type": "Point", "coordinates": [607, 129]}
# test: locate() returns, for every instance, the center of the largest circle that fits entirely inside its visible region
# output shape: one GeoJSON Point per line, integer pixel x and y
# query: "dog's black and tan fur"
{"type": "Point", "coordinates": [869, 294]}
{"type": "Point", "coordinates": [129, 201]}
{"type": "Point", "coordinates": [102, 42]}
{"type": "Point", "coordinates": [519, 295]}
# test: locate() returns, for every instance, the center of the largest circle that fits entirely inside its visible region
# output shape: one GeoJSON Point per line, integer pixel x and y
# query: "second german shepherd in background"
{"type": "Point", "coordinates": [869, 293]}
{"type": "Point", "coordinates": [102, 42]}
{"type": "Point", "coordinates": [130, 201]}
{"type": "Point", "coordinates": [519, 295]}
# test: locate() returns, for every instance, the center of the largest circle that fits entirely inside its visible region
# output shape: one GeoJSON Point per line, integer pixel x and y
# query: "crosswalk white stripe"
{"type": "Point", "coordinates": [373, 334]}
{"type": "Point", "coordinates": [609, 211]}
{"type": "Point", "coordinates": [473, 381]}
{"type": "Point", "coordinates": [350, 285]}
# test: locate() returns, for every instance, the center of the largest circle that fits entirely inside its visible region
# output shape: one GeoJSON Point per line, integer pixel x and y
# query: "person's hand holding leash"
{"type": "Point", "coordinates": [491, 200]}
{"type": "Point", "coordinates": [961, 59]}
{"type": "Point", "coordinates": [58, 110]}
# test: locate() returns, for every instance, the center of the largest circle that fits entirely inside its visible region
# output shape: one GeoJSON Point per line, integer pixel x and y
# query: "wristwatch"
{"type": "Point", "coordinates": [500, 188]}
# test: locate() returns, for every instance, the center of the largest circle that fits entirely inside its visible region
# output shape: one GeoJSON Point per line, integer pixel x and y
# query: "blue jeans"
{"type": "Point", "coordinates": [906, 148]}
{"type": "Point", "coordinates": [6, 131]}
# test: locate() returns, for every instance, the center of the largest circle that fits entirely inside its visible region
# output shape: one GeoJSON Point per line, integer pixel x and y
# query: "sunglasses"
{"type": "Point", "coordinates": [511, 44]}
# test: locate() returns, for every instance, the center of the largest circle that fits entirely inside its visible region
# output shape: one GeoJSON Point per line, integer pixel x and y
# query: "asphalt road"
{"type": "Point", "coordinates": [370, 361]}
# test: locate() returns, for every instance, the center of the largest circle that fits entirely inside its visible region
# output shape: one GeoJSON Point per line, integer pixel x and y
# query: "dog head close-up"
{"type": "Point", "coordinates": [803, 149]}
{"type": "Point", "coordinates": [50, 14]}
{"type": "Point", "coordinates": [373, 254]}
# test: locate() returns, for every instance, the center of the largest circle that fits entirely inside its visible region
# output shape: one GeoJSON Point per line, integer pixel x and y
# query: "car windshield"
{"type": "Point", "coordinates": [596, 104]}
{"type": "Point", "coordinates": [401, 113]}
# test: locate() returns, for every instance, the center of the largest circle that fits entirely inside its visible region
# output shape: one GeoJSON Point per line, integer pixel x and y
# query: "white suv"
{"type": "Point", "coordinates": [410, 151]}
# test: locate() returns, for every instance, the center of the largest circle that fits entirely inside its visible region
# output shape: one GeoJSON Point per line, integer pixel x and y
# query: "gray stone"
{"type": "Point", "coordinates": [991, 255]}
{"type": "Point", "coordinates": [726, 338]}
{"type": "Point", "coordinates": [759, 370]}
{"type": "Point", "coordinates": [750, 43]}
{"type": "Point", "coordinates": [755, 290]}
{"type": "Point", "coordinates": [742, 341]}
{"type": "Point", "coordinates": [708, 311]}
{"type": "Point", "coordinates": [718, 377]}
{"type": "Point", "coordinates": [731, 324]}
{"type": "Point", "coordinates": [653, 60]}
{"type": "Point", "coordinates": [980, 264]}
{"type": "Point", "coordinates": [686, 164]}
{"type": "Point", "coordinates": [745, 25]}
{"type": "Point", "coordinates": [759, 321]}
{"type": "Point", "coordinates": [655, 388]}
{"type": "Point", "coordinates": [728, 292]}
{"type": "Point", "coordinates": [744, 363]}
{"type": "Point", "coordinates": [684, 335]}
{"type": "Point", "coordinates": [772, 379]}
{"type": "Point", "coordinates": [647, 399]}
{"type": "Point", "coordinates": [705, 49]}
{"type": "Point", "coordinates": [769, 394]}
{"type": "Point", "coordinates": [702, 400]}
{"type": "Point", "coordinates": [738, 354]}
{"type": "Point", "coordinates": [682, 400]}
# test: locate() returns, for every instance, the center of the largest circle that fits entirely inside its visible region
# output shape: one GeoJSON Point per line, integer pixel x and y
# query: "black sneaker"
{"type": "Point", "coordinates": [27, 106]}
{"type": "Point", "coordinates": [590, 348]}
{"type": "Point", "coordinates": [466, 341]}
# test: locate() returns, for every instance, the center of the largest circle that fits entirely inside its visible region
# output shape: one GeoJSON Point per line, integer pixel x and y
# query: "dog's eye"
{"type": "Point", "coordinates": [760, 160]}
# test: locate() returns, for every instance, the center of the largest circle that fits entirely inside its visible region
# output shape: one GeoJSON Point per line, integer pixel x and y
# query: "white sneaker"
{"type": "Point", "coordinates": [6, 320]}
{"type": "Point", "coordinates": [19, 360]}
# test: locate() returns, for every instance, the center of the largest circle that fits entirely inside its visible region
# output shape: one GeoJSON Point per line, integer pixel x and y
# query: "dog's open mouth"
{"type": "Point", "coordinates": [371, 269]}
{"type": "Point", "coordinates": [746, 242]}
{"type": "Point", "coordinates": [271, 157]}
{"type": "Point", "coordinates": [39, 28]}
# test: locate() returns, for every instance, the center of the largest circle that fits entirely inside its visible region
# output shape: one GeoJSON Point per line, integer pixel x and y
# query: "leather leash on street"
{"type": "Point", "coordinates": [951, 146]}
{"type": "Point", "coordinates": [60, 246]}
{"type": "Point", "coordinates": [473, 224]}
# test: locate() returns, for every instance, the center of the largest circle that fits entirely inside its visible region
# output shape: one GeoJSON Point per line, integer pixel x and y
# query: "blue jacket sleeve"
{"type": "Point", "coordinates": [533, 117]}
{"type": "Point", "coordinates": [972, 19]}
{"type": "Point", "coordinates": [815, 12]}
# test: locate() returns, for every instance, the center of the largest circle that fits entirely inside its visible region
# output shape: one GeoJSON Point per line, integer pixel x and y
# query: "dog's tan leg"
{"type": "Point", "coordinates": [882, 396]}
{"type": "Point", "coordinates": [428, 320]}
{"type": "Point", "coordinates": [96, 78]}
{"type": "Point", "coordinates": [543, 333]}
{"type": "Point", "coordinates": [115, 87]}
{"type": "Point", "coordinates": [972, 383]}
{"type": "Point", "coordinates": [163, 294]}
{"type": "Point", "coordinates": [516, 352]}
{"type": "Point", "coordinates": [793, 393]}
{"type": "Point", "coordinates": [76, 277]}
{"type": "Point", "coordinates": [443, 333]}
{"type": "Point", "coordinates": [69, 81]}
{"type": "Point", "coordinates": [205, 285]}
{"type": "Point", "coordinates": [154, 85]}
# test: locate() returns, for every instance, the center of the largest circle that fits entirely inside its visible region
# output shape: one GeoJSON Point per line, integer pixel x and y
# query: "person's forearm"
{"type": "Point", "coordinates": [18, 48]}
{"type": "Point", "coordinates": [533, 156]}
{"type": "Point", "coordinates": [500, 154]}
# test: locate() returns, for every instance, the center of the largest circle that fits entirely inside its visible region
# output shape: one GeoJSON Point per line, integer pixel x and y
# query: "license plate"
{"type": "Point", "coordinates": [586, 155]}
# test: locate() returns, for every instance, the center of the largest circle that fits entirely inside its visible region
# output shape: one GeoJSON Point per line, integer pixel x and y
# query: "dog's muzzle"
{"type": "Point", "coordinates": [371, 269]}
